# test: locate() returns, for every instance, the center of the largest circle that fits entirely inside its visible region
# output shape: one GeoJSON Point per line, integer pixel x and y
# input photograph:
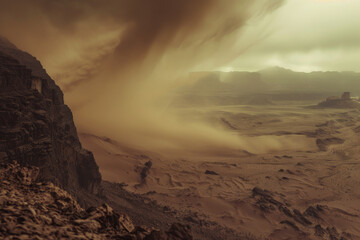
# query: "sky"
{"type": "Point", "coordinates": [304, 35]}
{"type": "Point", "coordinates": [118, 60]}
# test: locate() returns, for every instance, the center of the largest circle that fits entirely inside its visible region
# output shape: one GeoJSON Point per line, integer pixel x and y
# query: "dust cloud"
{"type": "Point", "coordinates": [118, 62]}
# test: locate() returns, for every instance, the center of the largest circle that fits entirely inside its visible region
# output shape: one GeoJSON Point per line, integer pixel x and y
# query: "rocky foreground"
{"type": "Point", "coordinates": [38, 210]}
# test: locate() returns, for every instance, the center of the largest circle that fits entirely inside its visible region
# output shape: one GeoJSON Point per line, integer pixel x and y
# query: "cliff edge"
{"type": "Point", "coordinates": [37, 128]}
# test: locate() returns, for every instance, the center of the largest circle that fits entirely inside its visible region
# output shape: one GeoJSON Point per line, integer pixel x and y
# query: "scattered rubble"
{"type": "Point", "coordinates": [37, 210]}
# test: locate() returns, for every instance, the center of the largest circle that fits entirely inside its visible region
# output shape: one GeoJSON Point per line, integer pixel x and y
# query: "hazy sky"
{"type": "Point", "coordinates": [117, 62]}
{"type": "Point", "coordinates": [305, 35]}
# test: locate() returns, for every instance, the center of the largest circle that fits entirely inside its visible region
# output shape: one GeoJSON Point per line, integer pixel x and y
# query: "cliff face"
{"type": "Point", "coordinates": [37, 128]}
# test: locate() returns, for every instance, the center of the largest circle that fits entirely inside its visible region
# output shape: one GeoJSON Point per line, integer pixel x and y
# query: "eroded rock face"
{"type": "Point", "coordinates": [37, 128]}
{"type": "Point", "coordinates": [36, 210]}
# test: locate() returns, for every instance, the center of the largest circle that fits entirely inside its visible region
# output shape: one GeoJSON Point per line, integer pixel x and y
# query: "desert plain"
{"type": "Point", "coordinates": [297, 179]}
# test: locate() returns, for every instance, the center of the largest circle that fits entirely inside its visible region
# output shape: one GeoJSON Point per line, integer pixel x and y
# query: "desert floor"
{"type": "Point", "coordinates": [300, 179]}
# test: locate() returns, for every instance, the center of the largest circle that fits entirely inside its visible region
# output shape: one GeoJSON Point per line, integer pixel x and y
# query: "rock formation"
{"type": "Point", "coordinates": [38, 210]}
{"type": "Point", "coordinates": [37, 128]}
{"type": "Point", "coordinates": [346, 96]}
{"type": "Point", "coordinates": [323, 144]}
{"type": "Point", "coordinates": [309, 224]}
{"type": "Point", "coordinates": [345, 101]}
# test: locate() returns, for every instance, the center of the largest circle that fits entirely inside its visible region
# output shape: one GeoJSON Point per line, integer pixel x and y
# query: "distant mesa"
{"type": "Point", "coordinates": [345, 101]}
{"type": "Point", "coordinates": [346, 96]}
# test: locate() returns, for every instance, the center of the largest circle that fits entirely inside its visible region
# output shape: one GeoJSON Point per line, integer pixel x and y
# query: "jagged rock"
{"type": "Point", "coordinates": [265, 200]}
{"type": "Point", "coordinates": [209, 172]}
{"type": "Point", "coordinates": [291, 224]}
{"type": "Point", "coordinates": [145, 171]}
{"type": "Point", "coordinates": [313, 212]}
{"type": "Point", "coordinates": [285, 210]}
{"type": "Point", "coordinates": [35, 210]}
{"type": "Point", "coordinates": [264, 193]}
{"type": "Point", "coordinates": [37, 128]}
{"type": "Point", "coordinates": [126, 223]}
{"type": "Point", "coordinates": [300, 218]}
{"type": "Point", "coordinates": [319, 231]}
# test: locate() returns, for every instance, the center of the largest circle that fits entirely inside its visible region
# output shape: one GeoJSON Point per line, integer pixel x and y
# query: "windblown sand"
{"type": "Point", "coordinates": [320, 186]}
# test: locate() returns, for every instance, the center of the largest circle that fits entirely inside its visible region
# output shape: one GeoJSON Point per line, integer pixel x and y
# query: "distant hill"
{"type": "Point", "coordinates": [276, 80]}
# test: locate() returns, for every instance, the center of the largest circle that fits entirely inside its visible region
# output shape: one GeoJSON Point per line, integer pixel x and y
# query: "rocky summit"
{"type": "Point", "coordinates": [39, 210]}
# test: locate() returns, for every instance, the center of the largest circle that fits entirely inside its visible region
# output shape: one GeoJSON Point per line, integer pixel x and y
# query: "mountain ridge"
{"type": "Point", "coordinates": [275, 79]}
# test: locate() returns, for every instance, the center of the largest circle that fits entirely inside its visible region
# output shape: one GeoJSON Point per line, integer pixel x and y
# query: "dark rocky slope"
{"type": "Point", "coordinates": [35, 210]}
{"type": "Point", "coordinates": [37, 128]}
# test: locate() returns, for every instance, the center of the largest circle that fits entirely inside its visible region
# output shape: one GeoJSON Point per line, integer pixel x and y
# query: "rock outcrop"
{"type": "Point", "coordinates": [312, 223]}
{"type": "Point", "coordinates": [38, 210]}
{"type": "Point", "coordinates": [345, 102]}
{"type": "Point", "coordinates": [37, 128]}
{"type": "Point", "coordinates": [324, 143]}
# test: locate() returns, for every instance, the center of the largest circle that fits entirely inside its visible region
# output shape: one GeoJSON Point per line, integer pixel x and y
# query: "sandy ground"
{"type": "Point", "coordinates": [307, 188]}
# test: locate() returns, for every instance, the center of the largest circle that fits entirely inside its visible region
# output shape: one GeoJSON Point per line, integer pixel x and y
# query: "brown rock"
{"type": "Point", "coordinates": [37, 128]}
{"type": "Point", "coordinates": [48, 212]}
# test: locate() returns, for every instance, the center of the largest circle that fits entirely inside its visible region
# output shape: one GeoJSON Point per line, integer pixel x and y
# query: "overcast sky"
{"type": "Point", "coordinates": [304, 35]}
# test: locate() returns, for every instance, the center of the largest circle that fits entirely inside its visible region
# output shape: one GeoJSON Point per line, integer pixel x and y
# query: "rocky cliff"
{"type": "Point", "coordinates": [37, 128]}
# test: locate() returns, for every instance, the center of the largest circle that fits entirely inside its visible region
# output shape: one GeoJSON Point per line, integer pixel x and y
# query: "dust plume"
{"type": "Point", "coordinates": [118, 61]}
